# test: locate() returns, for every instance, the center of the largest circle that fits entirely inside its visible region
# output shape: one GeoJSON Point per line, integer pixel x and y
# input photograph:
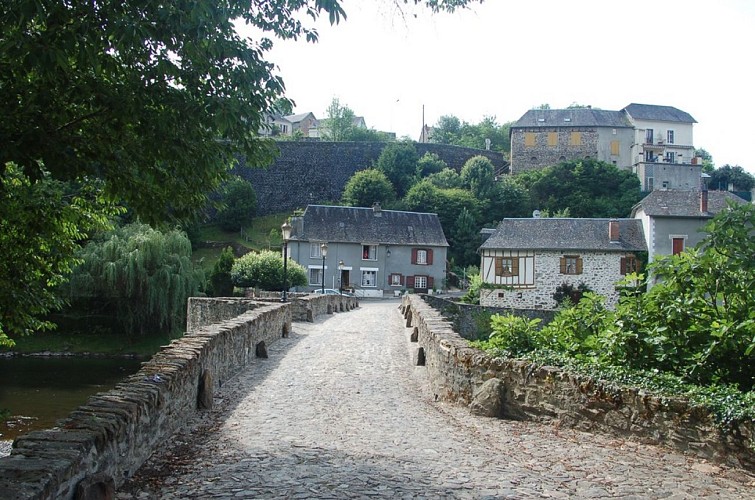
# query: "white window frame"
{"type": "Point", "coordinates": [314, 251]}
{"type": "Point", "coordinates": [418, 280]}
{"type": "Point", "coordinates": [396, 279]}
{"type": "Point", "coordinates": [364, 272]}
{"type": "Point", "coordinates": [669, 137]}
{"type": "Point", "coordinates": [422, 256]}
{"type": "Point", "coordinates": [317, 274]}
{"type": "Point", "coordinates": [372, 252]}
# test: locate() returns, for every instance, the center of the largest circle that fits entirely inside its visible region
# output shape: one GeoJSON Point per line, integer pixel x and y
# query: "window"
{"type": "Point", "coordinates": [650, 184]}
{"type": "Point", "coordinates": [506, 266]}
{"type": "Point", "coordinates": [552, 139]}
{"type": "Point", "coordinates": [314, 250]}
{"type": "Point", "coordinates": [420, 282]}
{"type": "Point", "coordinates": [615, 148]}
{"type": "Point", "coordinates": [369, 277]}
{"type": "Point", "coordinates": [396, 280]}
{"type": "Point", "coordinates": [670, 136]}
{"type": "Point", "coordinates": [629, 264]}
{"type": "Point", "coordinates": [422, 256]}
{"type": "Point", "coordinates": [529, 139]}
{"type": "Point", "coordinates": [369, 252]}
{"type": "Point", "coordinates": [649, 136]}
{"type": "Point", "coordinates": [571, 264]}
{"type": "Point", "coordinates": [575, 139]}
{"type": "Point", "coordinates": [670, 157]}
{"type": "Point", "coordinates": [315, 276]}
{"type": "Point", "coordinates": [677, 245]}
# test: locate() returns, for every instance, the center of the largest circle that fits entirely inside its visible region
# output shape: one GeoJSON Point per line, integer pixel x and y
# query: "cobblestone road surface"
{"type": "Point", "coordinates": [337, 411]}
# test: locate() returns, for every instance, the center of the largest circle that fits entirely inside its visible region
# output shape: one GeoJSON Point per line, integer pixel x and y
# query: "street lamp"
{"type": "Point", "coordinates": [324, 252]}
{"type": "Point", "coordinates": [340, 276]}
{"type": "Point", "coordinates": [286, 232]}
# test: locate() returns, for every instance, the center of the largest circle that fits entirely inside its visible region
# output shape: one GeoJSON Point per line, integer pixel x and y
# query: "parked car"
{"type": "Point", "coordinates": [333, 291]}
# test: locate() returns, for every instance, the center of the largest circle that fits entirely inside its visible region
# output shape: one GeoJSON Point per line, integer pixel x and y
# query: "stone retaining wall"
{"type": "Point", "coordinates": [306, 306]}
{"type": "Point", "coordinates": [110, 436]}
{"type": "Point", "coordinates": [551, 394]}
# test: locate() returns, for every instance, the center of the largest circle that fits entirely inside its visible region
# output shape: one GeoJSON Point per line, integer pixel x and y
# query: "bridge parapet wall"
{"type": "Point", "coordinates": [543, 393]}
{"type": "Point", "coordinates": [113, 434]}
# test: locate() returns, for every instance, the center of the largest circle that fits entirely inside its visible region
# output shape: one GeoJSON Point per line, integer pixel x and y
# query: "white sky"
{"type": "Point", "coordinates": [504, 57]}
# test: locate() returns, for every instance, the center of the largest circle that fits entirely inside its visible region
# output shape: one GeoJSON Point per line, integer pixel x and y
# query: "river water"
{"type": "Point", "coordinates": [39, 391]}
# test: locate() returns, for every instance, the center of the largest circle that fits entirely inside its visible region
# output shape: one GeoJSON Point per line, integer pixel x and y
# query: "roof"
{"type": "Point", "coordinates": [566, 234]}
{"type": "Point", "coordinates": [573, 117]}
{"type": "Point", "coordinates": [299, 117]}
{"type": "Point", "coordinates": [678, 203]}
{"type": "Point", "coordinates": [658, 113]}
{"type": "Point", "coordinates": [368, 225]}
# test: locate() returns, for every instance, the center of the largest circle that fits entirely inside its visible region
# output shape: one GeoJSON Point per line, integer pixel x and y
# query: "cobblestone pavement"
{"type": "Point", "coordinates": [337, 411]}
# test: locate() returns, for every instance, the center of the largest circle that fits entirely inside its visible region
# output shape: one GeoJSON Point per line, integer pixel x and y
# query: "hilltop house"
{"type": "Point", "coordinates": [654, 141]}
{"type": "Point", "coordinates": [528, 259]}
{"type": "Point", "coordinates": [672, 220]}
{"type": "Point", "coordinates": [370, 250]}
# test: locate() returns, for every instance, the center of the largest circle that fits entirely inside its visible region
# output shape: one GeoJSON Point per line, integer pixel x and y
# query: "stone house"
{"type": "Point", "coordinates": [528, 259]}
{"type": "Point", "coordinates": [372, 251]}
{"type": "Point", "coordinates": [302, 122]}
{"type": "Point", "coordinates": [655, 142]}
{"type": "Point", "coordinates": [672, 220]}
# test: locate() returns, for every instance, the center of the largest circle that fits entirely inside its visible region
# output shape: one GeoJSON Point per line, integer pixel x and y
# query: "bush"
{"type": "Point", "coordinates": [264, 270]}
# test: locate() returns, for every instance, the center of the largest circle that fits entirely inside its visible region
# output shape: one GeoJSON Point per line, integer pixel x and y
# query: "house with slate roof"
{"type": "Point", "coordinates": [672, 220]}
{"type": "Point", "coordinates": [528, 259]}
{"type": "Point", "coordinates": [372, 251]}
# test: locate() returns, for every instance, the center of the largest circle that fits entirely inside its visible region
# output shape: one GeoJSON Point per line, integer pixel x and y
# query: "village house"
{"type": "Point", "coordinates": [370, 251]}
{"type": "Point", "coordinates": [526, 260]}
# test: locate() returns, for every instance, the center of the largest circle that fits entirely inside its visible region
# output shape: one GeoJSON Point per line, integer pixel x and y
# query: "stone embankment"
{"type": "Point", "coordinates": [104, 441]}
{"type": "Point", "coordinates": [518, 390]}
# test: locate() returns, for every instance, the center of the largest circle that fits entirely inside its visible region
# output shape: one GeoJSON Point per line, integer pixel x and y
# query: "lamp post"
{"type": "Point", "coordinates": [286, 232]}
{"type": "Point", "coordinates": [340, 276]}
{"type": "Point", "coordinates": [324, 252]}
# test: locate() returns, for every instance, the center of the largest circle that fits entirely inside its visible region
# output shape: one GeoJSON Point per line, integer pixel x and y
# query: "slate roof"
{"type": "Point", "coordinates": [566, 234]}
{"type": "Point", "coordinates": [658, 113]}
{"type": "Point", "coordinates": [366, 225]}
{"type": "Point", "coordinates": [576, 117]}
{"type": "Point", "coordinates": [298, 118]}
{"type": "Point", "coordinates": [680, 203]}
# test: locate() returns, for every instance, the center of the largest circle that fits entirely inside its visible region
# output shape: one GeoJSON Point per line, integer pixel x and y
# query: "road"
{"type": "Point", "coordinates": [338, 411]}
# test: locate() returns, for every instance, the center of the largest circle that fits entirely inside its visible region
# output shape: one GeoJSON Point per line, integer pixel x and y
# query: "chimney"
{"type": "Point", "coordinates": [704, 201]}
{"type": "Point", "coordinates": [376, 209]}
{"type": "Point", "coordinates": [613, 231]}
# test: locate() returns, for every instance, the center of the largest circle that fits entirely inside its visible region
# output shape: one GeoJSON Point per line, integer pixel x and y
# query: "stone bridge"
{"type": "Point", "coordinates": [358, 404]}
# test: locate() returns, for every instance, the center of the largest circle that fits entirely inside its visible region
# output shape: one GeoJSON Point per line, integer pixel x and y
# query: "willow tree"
{"type": "Point", "coordinates": [141, 275]}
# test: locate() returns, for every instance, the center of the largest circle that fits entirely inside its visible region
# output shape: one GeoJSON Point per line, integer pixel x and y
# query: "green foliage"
{"type": "Point", "coordinates": [141, 275]}
{"type": "Point", "coordinates": [708, 165]}
{"type": "Point", "coordinates": [512, 336]}
{"type": "Point", "coordinates": [739, 178]}
{"type": "Point", "coordinates": [447, 178]}
{"type": "Point", "coordinates": [447, 203]}
{"type": "Point", "coordinates": [464, 240]}
{"type": "Point", "coordinates": [220, 284]}
{"type": "Point", "coordinates": [588, 188]}
{"type": "Point", "coordinates": [264, 270]}
{"type": "Point", "coordinates": [473, 292]}
{"type": "Point", "coordinates": [339, 121]}
{"type": "Point", "coordinates": [451, 130]}
{"type": "Point", "coordinates": [239, 205]}
{"type": "Point", "coordinates": [478, 175]}
{"type": "Point", "coordinates": [429, 164]}
{"type": "Point", "coordinates": [505, 198]}
{"type": "Point", "coordinates": [567, 291]}
{"type": "Point", "coordinates": [41, 224]}
{"type": "Point", "coordinates": [366, 187]}
{"type": "Point", "coordinates": [398, 161]}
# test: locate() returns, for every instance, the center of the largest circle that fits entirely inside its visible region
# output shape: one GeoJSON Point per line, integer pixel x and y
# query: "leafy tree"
{"type": "Point", "coordinates": [221, 284]}
{"type": "Point", "coordinates": [429, 164]}
{"type": "Point", "coordinates": [446, 178]}
{"type": "Point", "coordinates": [359, 134]}
{"type": "Point", "coordinates": [140, 275]}
{"type": "Point", "coordinates": [447, 130]}
{"type": "Point", "coordinates": [464, 240]}
{"type": "Point", "coordinates": [451, 130]}
{"type": "Point", "coordinates": [339, 123]}
{"type": "Point", "coordinates": [478, 175]}
{"type": "Point", "coordinates": [41, 223]}
{"type": "Point", "coordinates": [739, 178]}
{"type": "Point", "coordinates": [398, 161]}
{"type": "Point", "coordinates": [366, 187]}
{"type": "Point", "coordinates": [708, 165]}
{"type": "Point", "coordinates": [588, 188]}
{"type": "Point", "coordinates": [264, 270]}
{"type": "Point", "coordinates": [506, 198]}
{"type": "Point", "coordinates": [447, 203]}
{"type": "Point", "coordinates": [149, 101]}
{"type": "Point", "coordinates": [239, 205]}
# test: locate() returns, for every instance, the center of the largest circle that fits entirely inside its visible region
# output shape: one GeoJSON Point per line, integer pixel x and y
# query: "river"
{"type": "Point", "coordinates": [39, 391]}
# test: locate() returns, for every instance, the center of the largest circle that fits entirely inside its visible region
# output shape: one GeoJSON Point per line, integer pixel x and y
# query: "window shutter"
{"type": "Point", "coordinates": [410, 282]}
{"type": "Point", "coordinates": [429, 256]}
{"type": "Point", "coordinates": [515, 266]}
{"type": "Point", "coordinates": [579, 265]}
{"type": "Point", "coordinates": [623, 266]}
{"type": "Point", "coordinates": [414, 255]}
{"type": "Point", "coordinates": [430, 282]}
{"type": "Point", "coordinates": [563, 265]}
{"type": "Point", "coordinates": [498, 266]}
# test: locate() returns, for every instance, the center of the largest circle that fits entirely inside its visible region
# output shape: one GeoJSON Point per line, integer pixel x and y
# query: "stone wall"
{"type": "Point", "coordinates": [109, 437]}
{"type": "Point", "coordinates": [306, 307]}
{"type": "Point", "coordinates": [551, 394]}
{"type": "Point", "coordinates": [542, 155]}
{"type": "Point", "coordinates": [315, 172]}
{"type": "Point", "coordinates": [472, 322]}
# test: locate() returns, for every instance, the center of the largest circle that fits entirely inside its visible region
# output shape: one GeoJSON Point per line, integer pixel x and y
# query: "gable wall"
{"type": "Point", "coordinates": [542, 155]}
{"type": "Point", "coordinates": [600, 272]}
